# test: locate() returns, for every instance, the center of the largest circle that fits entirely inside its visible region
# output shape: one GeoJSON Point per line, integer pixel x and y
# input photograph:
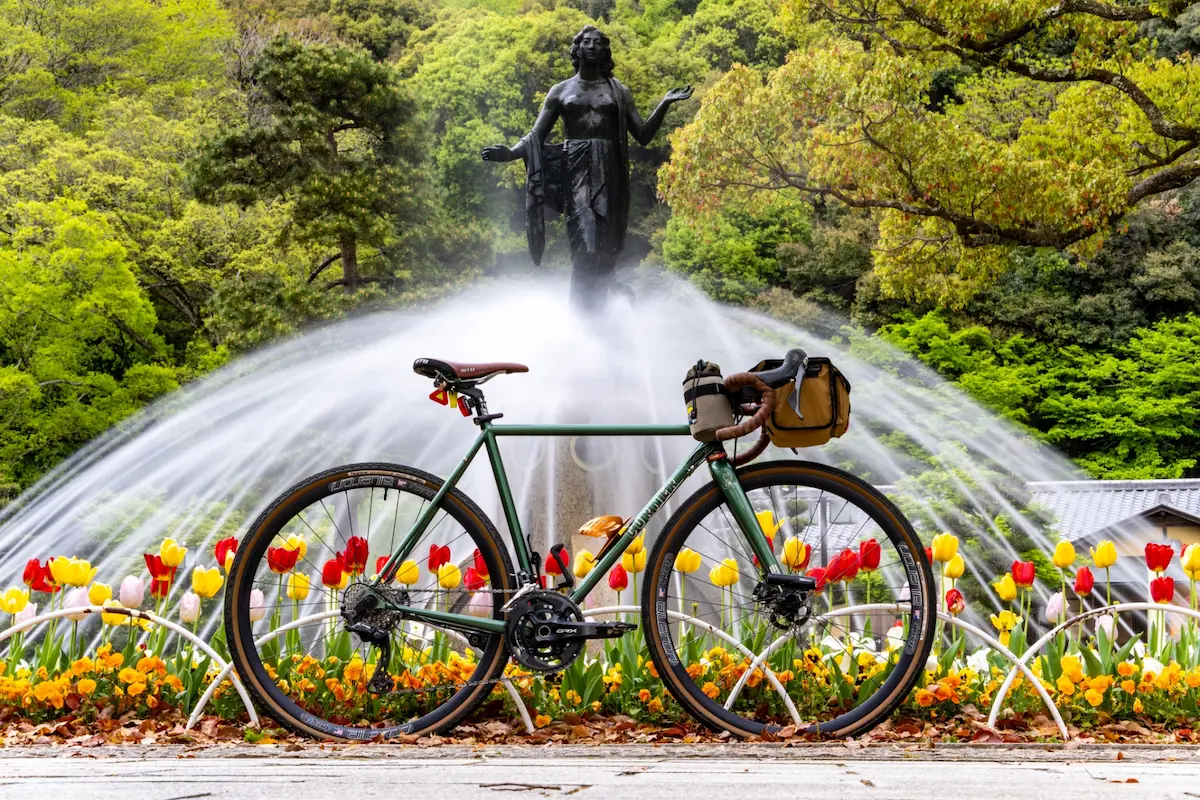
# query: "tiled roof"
{"type": "Point", "coordinates": [1083, 508]}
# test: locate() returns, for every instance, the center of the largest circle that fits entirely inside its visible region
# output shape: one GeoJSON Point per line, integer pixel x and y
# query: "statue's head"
{"type": "Point", "coordinates": [592, 45]}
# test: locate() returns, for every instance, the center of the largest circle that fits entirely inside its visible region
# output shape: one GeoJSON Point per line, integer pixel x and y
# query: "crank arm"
{"type": "Point", "coordinates": [557, 632]}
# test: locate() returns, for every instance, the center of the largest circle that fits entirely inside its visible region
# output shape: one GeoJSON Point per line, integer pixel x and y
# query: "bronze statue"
{"type": "Point", "coordinates": [586, 177]}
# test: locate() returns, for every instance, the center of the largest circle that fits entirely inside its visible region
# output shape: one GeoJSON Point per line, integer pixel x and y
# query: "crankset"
{"type": "Point", "coordinates": [546, 630]}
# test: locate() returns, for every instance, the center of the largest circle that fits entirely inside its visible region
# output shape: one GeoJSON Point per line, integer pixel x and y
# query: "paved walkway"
{"type": "Point", "coordinates": [735, 772]}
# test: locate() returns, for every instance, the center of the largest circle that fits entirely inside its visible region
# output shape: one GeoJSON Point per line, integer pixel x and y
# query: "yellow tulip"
{"type": "Point", "coordinates": [634, 562]}
{"type": "Point", "coordinates": [795, 553]}
{"type": "Point", "coordinates": [296, 543]}
{"type": "Point", "coordinates": [1190, 560]}
{"type": "Point", "coordinates": [637, 545]}
{"type": "Point", "coordinates": [99, 593]}
{"type": "Point", "coordinates": [14, 600]}
{"type": "Point", "coordinates": [1104, 555]}
{"type": "Point", "coordinates": [687, 560]}
{"type": "Point", "coordinates": [944, 546]}
{"type": "Point", "coordinates": [408, 573]}
{"type": "Point", "coordinates": [1004, 622]}
{"type": "Point", "coordinates": [449, 575]}
{"type": "Point", "coordinates": [113, 619]}
{"type": "Point", "coordinates": [1064, 554]}
{"type": "Point", "coordinates": [766, 521]}
{"type": "Point", "coordinates": [955, 567]}
{"type": "Point", "coordinates": [72, 571]}
{"type": "Point", "coordinates": [1006, 587]}
{"type": "Point", "coordinates": [298, 585]}
{"type": "Point", "coordinates": [585, 562]}
{"type": "Point", "coordinates": [171, 553]}
{"type": "Point", "coordinates": [206, 582]}
{"type": "Point", "coordinates": [725, 573]}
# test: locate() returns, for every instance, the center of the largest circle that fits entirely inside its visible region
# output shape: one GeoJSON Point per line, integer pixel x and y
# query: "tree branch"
{"type": "Point", "coordinates": [312, 276]}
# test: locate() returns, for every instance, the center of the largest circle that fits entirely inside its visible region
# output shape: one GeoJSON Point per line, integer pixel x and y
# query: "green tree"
{"type": "Point", "coordinates": [336, 139]}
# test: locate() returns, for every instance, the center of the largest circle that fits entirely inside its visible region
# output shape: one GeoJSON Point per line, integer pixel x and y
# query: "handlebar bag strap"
{"type": "Point", "coordinates": [824, 405]}
{"type": "Point", "coordinates": [708, 405]}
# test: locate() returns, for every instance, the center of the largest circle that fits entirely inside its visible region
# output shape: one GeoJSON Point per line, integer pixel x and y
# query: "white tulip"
{"type": "Point", "coordinates": [132, 592]}
{"type": "Point", "coordinates": [1054, 608]}
{"type": "Point", "coordinates": [258, 605]}
{"type": "Point", "coordinates": [25, 614]}
{"type": "Point", "coordinates": [77, 597]}
{"type": "Point", "coordinates": [1105, 622]}
{"type": "Point", "coordinates": [189, 607]}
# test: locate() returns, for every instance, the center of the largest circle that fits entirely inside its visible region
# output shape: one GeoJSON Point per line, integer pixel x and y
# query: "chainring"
{"type": "Point", "coordinates": [527, 616]}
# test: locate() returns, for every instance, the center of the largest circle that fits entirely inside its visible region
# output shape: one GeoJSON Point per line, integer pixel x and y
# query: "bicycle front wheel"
{"type": "Point", "coordinates": [836, 668]}
{"type": "Point", "coordinates": [318, 545]}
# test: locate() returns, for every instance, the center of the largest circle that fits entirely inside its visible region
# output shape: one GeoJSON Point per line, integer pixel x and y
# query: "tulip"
{"type": "Point", "coordinates": [114, 619]}
{"type": "Point", "coordinates": [77, 597]}
{"type": "Point", "coordinates": [298, 586]}
{"type": "Point", "coordinates": [944, 546]}
{"type": "Point", "coordinates": [844, 567]}
{"type": "Point", "coordinates": [637, 545]}
{"type": "Point", "coordinates": [1104, 554]}
{"type": "Point", "coordinates": [766, 521]}
{"type": "Point", "coordinates": [449, 575]}
{"type": "Point", "coordinates": [171, 553]}
{"type": "Point", "coordinates": [868, 555]}
{"type": "Point", "coordinates": [1158, 557]}
{"type": "Point", "coordinates": [472, 580]}
{"type": "Point", "coordinates": [189, 608]}
{"type": "Point", "coordinates": [438, 556]}
{"type": "Point", "coordinates": [72, 571]}
{"type": "Point", "coordinates": [818, 575]}
{"type": "Point", "coordinates": [1056, 608]}
{"type": "Point", "coordinates": [688, 561]}
{"type": "Point", "coordinates": [895, 636]}
{"type": "Point", "coordinates": [955, 602]}
{"type": "Point", "coordinates": [552, 567]}
{"type": "Point", "coordinates": [1162, 589]}
{"type": "Point", "coordinates": [14, 600]}
{"type": "Point", "coordinates": [585, 562]}
{"type": "Point", "coordinates": [225, 551]}
{"type": "Point", "coordinates": [634, 562]}
{"type": "Point", "coordinates": [1004, 622]}
{"type": "Point", "coordinates": [298, 544]}
{"type": "Point", "coordinates": [481, 567]}
{"type": "Point", "coordinates": [618, 579]}
{"type": "Point", "coordinates": [1006, 588]}
{"type": "Point", "coordinates": [38, 578]}
{"type": "Point", "coordinates": [206, 582]}
{"type": "Point", "coordinates": [928, 555]}
{"type": "Point", "coordinates": [796, 554]}
{"type": "Point", "coordinates": [356, 555]}
{"type": "Point", "coordinates": [99, 593]}
{"type": "Point", "coordinates": [1064, 554]}
{"type": "Point", "coordinates": [132, 592]}
{"type": "Point", "coordinates": [1084, 581]}
{"type": "Point", "coordinates": [25, 614]}
{"type": "Point", "coordinates": [1023, 573]}
{"type": "Point", "coordinates": [282, 560]}
{"type": "Point", "coordinates": [1105, 622]}
{"type": "Point", "coordinates": [725, 573]}
{"type": "Point", "coordinates": [955, 567]}
{"type": "Point", "coordinates": [480, 604]}
{"type": "Point", "coordinates": [258, 605]}
{"type": "Point", "coordinates": [333, 576]}
{"type": "Point", "coordinates": [408, 573]}
{"type": "Point", "coordinates": [1190, 561]}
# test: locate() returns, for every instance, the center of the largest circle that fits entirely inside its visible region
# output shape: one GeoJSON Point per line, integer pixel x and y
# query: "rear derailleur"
{"type": "Point", "coordinates": [368, 613]}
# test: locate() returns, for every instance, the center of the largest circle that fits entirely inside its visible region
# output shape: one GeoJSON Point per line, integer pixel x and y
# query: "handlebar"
{"type": "Point", "coordinates": [758, 391]}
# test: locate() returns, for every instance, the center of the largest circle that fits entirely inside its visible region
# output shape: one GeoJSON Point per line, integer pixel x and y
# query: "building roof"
{"type": "Point", "coordinates": [1085, 508]}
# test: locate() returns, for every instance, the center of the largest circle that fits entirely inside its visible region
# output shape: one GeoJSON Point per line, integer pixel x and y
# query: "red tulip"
{"type": "Point", "coordinates": [955, 602]}
{"type": "Point", "coordinates": [618, 579]}
{"type": "Point", "coordinates": [1162, 589]}
{"type": "Point", "coordinates": [159, 570]}
{"type": "Point", "coordinates": [868, 555]}
{"type": "Point", "coordinates": [770, 544]}
{"type": "Point", "coordinates": [438, 556]}
{"type": "Point", "coordinates": [552, 567]}
{"type": "Point", "coordinates": [817, 574]}
{"type": "Point", "coordinates": [844, 567]}
{"type": "Point", "coordinates": [481, 568]}
{"type": "Point", "coordinates": [160, 588]}
{"type": "Point", "coordinates": [225, 548]}
{"type": "Point", "coordinates": [1084, 581]}
{"type": "Point", "coordinates": [928, 555]}
{"type": "Point", "coordinates": [332, 573]}
{"type": "Point", "coordinates": [472, 580]}
{"type": "Point", "coordinates": [281, 560]}
{"type": "Point", "coordinates": [38, 578]}
{"type": "Point", "coordinates": [1023, 573]}
{"type": "Point", "coordinates": [354, 557]}
{"type": "Point", "coordinates": [379, 564]}
{"type": "Point", "coordinates": [1158, 556]}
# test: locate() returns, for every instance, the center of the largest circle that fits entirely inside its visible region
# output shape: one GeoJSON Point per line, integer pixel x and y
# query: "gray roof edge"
{"type": "Point", "coordinates": [1099, 484]}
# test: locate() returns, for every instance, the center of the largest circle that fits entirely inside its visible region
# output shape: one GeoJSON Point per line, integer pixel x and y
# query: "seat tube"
{"type": "Point", "coordinates": [520, 547]}
{"type": "Point", "coordinates": [726, 478]}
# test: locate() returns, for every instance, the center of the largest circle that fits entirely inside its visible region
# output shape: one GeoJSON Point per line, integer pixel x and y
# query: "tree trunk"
{"type": "Point", "coordinates": [349, 245]}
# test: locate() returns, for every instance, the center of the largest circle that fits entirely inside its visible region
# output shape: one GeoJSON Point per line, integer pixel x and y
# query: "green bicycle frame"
{"type": "Point", "coordinates": [722, 471]}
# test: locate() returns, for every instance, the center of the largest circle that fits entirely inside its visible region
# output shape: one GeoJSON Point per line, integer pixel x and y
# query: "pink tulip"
{"type": "Point", "coordinates": [189, 607]}
{"type": "Point", "coordinates": [258, 605]}
{"type": "Point", "coordinates": [132, 592]}
{"type": "Point", "coordinates": [26, 614]}
{"type": "Point", "coordinates": [77, 597]}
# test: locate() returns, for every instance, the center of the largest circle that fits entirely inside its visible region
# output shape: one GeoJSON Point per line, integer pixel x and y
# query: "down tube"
{"type": "Point", "coordinates": [681, 474]}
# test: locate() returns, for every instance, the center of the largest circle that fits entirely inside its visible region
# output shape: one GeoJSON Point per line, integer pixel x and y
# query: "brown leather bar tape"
{"type": "Point", "coordinates": [766, 406]}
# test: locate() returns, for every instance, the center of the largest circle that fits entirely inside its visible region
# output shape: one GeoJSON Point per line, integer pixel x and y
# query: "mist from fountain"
{"type": "Point", "coordinates": [201, 464]}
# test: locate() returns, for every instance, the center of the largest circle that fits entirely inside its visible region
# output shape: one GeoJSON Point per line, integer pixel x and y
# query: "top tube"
{"type": "Point", "coordinates": [589, 430]}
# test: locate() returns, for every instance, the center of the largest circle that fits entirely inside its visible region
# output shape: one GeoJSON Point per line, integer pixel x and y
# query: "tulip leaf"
{"type": "Point", "coordinates": [1127, 648]}
{"type": "Point", "coordinates": [1094, 667]}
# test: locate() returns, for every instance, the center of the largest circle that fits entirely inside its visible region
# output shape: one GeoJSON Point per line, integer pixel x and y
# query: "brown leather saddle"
{"type": "Point", "coordinates": [460, 372]}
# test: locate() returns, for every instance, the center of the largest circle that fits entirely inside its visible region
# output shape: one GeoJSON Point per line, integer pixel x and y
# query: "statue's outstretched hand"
{"type": "Point", "coordinates": [497, 152]}
{"type": "Point", "coordinates": [675, 95]}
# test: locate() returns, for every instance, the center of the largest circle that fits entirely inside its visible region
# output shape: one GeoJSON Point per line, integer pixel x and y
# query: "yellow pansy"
{"type": "Point", "coordinates": [14, 600]}
{"type": "Point", "coordinates": [585, 562]}
{"type": "Point", "coordinates": [449, 575]}
{"type": "Point", "coordinates": [687, 561]}
{"type": "Point", "coordinates": [298, 585]}
{"type": "Point", "coordinates": [725, 573]}
{"type": "Point", "coordinates": [206, 582]}
{"type": "Point", "coordinates": [1064, 554]}
{"type": "Point", "coordinates": [1004, 622]}
{"type": "Point", "coordinates": [1006, 587]}
{"type": "Point", "coordinates": [1104, 555]}
{"type": "Point", "coordinates": [634, 562]}
{"type": "Point", "coordinates": [72, 571]}
{"type": "Point", "coordinates": [944, 547]}
{"type": "Point", "coordinates": [99, 593]}
{"type": "Point", "coordinates": [408, 573]}
{"type": "Point", "coordinates": [86, 686]}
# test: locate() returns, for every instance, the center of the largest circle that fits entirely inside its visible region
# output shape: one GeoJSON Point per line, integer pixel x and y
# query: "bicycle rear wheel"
{"type": "Point", "coordinates": [322, 540]}
{"type": "Point", "coordinates": [838, 672]}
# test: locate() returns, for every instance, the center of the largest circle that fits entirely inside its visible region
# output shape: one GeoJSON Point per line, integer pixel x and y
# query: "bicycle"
{"type": "Point", "coordinates": [436, 628]}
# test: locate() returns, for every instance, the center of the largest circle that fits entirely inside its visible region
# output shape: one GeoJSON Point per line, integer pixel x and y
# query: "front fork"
{"type": "Point", "coordinates": [726, 478]}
